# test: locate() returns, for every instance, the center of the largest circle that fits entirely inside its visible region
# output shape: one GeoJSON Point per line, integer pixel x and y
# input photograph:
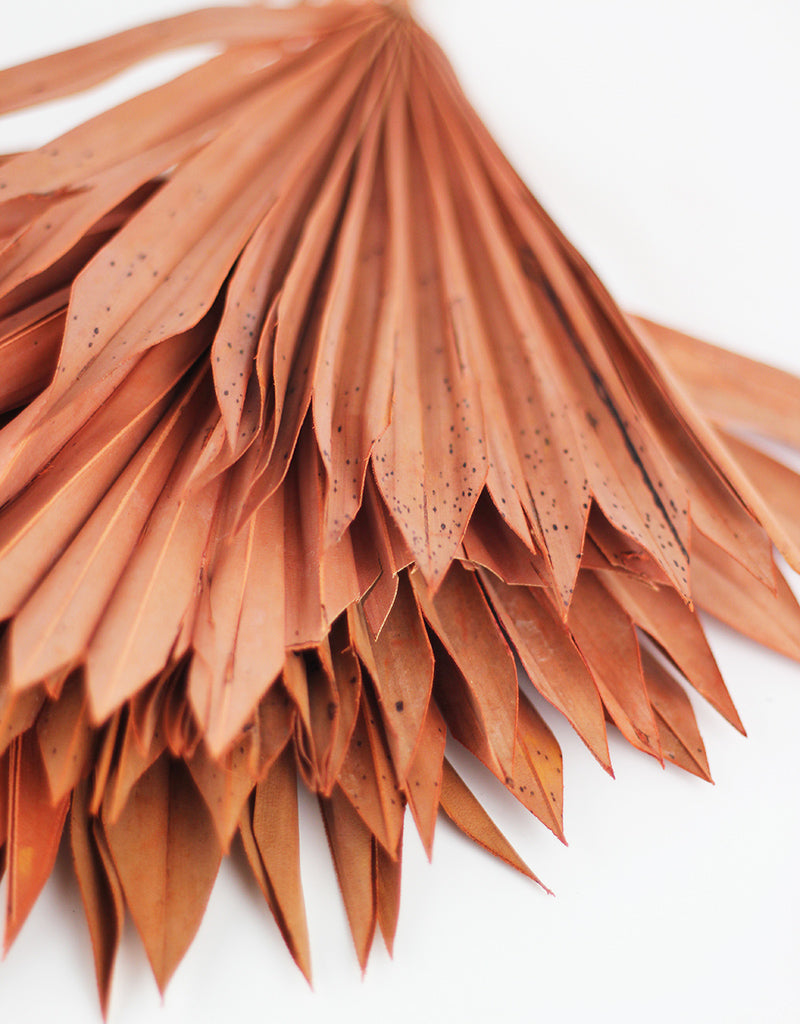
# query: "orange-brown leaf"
{"type": "Point", "coordinates": [661, 613]}
{"type": "Point", "coordinates": [224, 784]}
{"type": "Point", "coordinates": [400, 665]}
{"type": "Point", "coordinates": [731, 388]}
{"type": "Point", "coordinates": [367, 778]}
{"type": "Point", "coordinates": [466, 813]}
{"type": "Point", "coordinates": [18, 712]}
{"type": "Point", "coordinates": [460, 617]}
{"type": "Point", "coordinates": [276, 831]}
{"type": "Point", "coordinates": [607, 640]}
{"type": "Point", "coordinates": [677, 726]}
{"type": "Point", "coordinates": [66, 738]}
{"type": "Point", "coordinates": [424, 783]}
{"type": "Point", "coordinates": [100, 888]}
{"type": "Point", "coordinates": [388, 873]}
{"type": "Point", "coordinates": [722, 587]}
{"type": "Point", "coordinates": [552, 661]}
{"type": "Point", "coordinates": [238, 638]}
{"type": "Point", "coordinates": [352, 848]}
{"type": "Point", "coordinates": [167, 854]}
{"type": "Point", "coordinates": [34, 832]}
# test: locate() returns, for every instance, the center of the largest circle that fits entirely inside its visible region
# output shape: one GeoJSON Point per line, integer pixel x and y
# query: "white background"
{"type": "Point", "coordinates": [663, 136]}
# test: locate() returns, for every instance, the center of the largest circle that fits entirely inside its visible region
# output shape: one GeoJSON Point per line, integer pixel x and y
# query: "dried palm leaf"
{"type": "Point", "coordinates": [314, 424]}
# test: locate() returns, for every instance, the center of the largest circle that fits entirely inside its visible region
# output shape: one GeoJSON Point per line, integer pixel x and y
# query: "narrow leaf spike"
{"type": "Point", "coordinates": [167, 855]}
{"type": "Point", "coordinates": [466, 813]}
{"type": "Point", "coordinates": [33, 832]}
{"type": "Point", "coordinates": [101, 891]}
{"type": "Point", "coordinates": [314, 430]}
{"type": "Point", "coordinates": [275, 829]}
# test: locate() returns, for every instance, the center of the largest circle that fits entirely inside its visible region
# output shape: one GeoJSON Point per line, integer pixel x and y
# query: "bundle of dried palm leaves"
{"type": "Point", "coordinates": [313, 420]}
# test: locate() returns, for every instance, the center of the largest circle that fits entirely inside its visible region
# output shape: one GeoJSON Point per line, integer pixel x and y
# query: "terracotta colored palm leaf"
{"type": "Point", "coordinates": [313, 421]}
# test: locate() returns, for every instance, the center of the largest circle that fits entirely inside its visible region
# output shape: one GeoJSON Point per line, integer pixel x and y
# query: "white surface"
{"type": "Point", "coordinates": [663, 138]}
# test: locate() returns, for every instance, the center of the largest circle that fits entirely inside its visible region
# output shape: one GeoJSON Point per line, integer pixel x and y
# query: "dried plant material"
{"type": "Point", "coordinates": [353, 851]}
{"type": "Point", "coordinates": [102, 895]}
{"type": "Point", "coordinates": [388, 874]}
{"type": "Point", "coordinates": [66, 739]}
{"type": "Point", "coordinates": [33, 831]}
{"type": "Point", "coordinates": [167, 879]}
{"type": "Point", "coordinates": [677, 728]}
{"type": "Point", "coordinates": [272, 844]}
{"type": "Point", "coordinates": [607, 640]}
{"type": "Point", "coordinates": [730, 388]}
{"type": "Point", "coordinates": [467, 814]}
{"type": "Point", "coordinates": [314, 425]}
